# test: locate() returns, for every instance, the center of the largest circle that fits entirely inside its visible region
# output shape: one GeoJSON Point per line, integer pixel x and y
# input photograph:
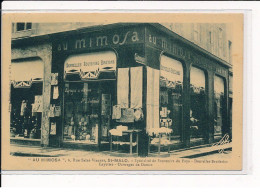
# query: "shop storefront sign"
{"type": "Point", "coordinates": [117, 38]}
{"type": "Point", "coordinates": [170, 46]}
{"type": "Point", "coordinates": [171, 71]}
{"type": "Point", "coordinates": [90, 65]}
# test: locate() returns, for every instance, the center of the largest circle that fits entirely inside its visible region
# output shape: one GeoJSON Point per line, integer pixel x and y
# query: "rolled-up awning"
{"type": "Point", "coordinates": [219, 85]}
{"type": "Point", "coordinates": [90, 65]}
{"type": "Point", "coordinates": [24, 73]}
{"type": "Point", "coordinates": [171, 72]}
{"type": "Point", "coordinates": [197, 79]}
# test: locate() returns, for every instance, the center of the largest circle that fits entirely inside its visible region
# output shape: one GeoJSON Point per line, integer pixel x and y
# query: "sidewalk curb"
{"type": "Point", "coordinates": [206, 153]}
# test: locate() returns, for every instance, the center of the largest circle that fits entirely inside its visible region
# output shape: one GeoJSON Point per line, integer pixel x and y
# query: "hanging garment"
{"type": "Point", "coordinates": [55, 92]}
{"type": "Point", "coordinates": [123, 87]}
{"type": "Point", "coordinates": [53, 128]}
{"type": "Point", "coordinates": [136, 87]}
{"type": "Point", "coordinates": [57, 111]}
{"type": "Point", "coordinates": [23, 108]}
{"type": "Point", "coordinates": [54, 79]}
{"type": "Point", "coordinates": [52, 110]}
{"type": "Point", "coordinates": [152, 104]}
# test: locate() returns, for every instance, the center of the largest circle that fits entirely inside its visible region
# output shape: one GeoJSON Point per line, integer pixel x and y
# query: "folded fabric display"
{"type": "Point", "coordinates": [138, 114]}
{"type": "Point", "coordinates": [164, 141]}
{"type": "Point", "coordinates": [118, 131]}
{"type": "Point", "coordinates": [157, 131]}
{"type": "Point", "coordinates": [115, 132]}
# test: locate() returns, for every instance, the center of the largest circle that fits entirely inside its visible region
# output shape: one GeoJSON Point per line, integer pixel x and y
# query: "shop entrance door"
{"type": "Point", "coordinates": [108, 99]}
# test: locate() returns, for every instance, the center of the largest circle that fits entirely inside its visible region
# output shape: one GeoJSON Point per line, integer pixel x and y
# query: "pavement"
{"type": "Point", "coordinates": [204, 151]}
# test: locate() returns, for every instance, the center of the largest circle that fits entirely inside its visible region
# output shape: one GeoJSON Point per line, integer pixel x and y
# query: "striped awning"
{"type": "Point", "coordinates": [25, 73]}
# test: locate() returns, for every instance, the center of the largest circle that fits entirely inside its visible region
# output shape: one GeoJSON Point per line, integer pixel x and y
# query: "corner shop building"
{"type": "Point", "coordinates": [142, 76]}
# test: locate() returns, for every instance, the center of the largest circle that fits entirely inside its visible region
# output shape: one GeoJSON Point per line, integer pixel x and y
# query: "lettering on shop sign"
{"type": "Point", "coordinates": [91, 63]}
{"type": "Point", "coordinates": [183, 53]}
{"type": "Point", "coordinates": [100, 41]}
{"type": "Point", "coordinates": [72, 91]}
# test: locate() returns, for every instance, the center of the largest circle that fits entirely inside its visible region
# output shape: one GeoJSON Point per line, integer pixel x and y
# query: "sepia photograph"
{"type": "Point", "coordinates": [142, 94]}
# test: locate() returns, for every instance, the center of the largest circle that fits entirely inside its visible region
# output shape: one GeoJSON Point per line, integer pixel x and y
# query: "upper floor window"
{"type": "Point", "coordinates": [230, 51]}
{"type": "Point", "coordinates": [220, 41]}
{"type": "Point", "coordinates": [21, 26]}
{"type": "Point", "coordinates": [210, 34]}
{"type": "Point", "coordinates": [196, 33]}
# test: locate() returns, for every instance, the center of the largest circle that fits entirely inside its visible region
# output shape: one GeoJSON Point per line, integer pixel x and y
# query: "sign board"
{"type": "Point", "coordinates": [171, 70]}
{"type": "Point", "coordinates": [89, 65]}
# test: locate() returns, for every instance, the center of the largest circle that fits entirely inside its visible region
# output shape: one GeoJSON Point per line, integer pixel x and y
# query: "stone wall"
{"type": "Point", "coordinates": [43, 51]}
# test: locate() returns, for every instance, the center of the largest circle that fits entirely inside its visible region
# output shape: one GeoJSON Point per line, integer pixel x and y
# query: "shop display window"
{"type": "Point", "coordinates": [87, 111]}
{"type": "Point", "coordinates": [218, 106]}
{"type": "Point", "coordinates": [171, 88]}
{"type": "Point", "coordinates": [26, 98]}
{"type": "Point", "coordinates": [198, 104]}
{"type": "Point", "coordinates": [25, 120]}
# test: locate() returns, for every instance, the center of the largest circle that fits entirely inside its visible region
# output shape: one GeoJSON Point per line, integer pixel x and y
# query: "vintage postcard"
{"type": "Point", "coordinates": [122, 91]}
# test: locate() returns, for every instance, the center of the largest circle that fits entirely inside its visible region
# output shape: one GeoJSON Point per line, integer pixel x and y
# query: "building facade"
{"type": "Point", "coordinates": [145, 78]}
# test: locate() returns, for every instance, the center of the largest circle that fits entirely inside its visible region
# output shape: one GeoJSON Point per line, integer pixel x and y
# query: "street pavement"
{"type": "Point", "coordinates": [195, 152]}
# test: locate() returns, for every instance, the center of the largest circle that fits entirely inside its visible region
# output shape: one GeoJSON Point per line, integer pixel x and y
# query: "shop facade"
{"type": "Point", "coordinates": [139, 77]}
{"type": "Point", "coordinates": [29, 90]}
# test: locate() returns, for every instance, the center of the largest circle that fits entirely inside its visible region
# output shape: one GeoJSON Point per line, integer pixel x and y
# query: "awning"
{"type": "Point", "coordinates": [219, 85]}
{"type": "Point", "coordinates": [24, 73]}
{"type": "Point", "coordinates": [171, 71]}
{"type": "Point", "coordinates": [91, 65]}
{"type": "Point", "coordinates": [197, 79]}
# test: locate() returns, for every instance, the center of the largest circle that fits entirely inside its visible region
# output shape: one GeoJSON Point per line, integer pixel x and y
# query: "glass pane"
{"type": "Point", "coordinates": [20, 26]}
{"type": "Point", "coordinates": [81, 112]}
{"type": "Point", "coordinates": [28, 26]}
{"type": "Point", "coordinates": [218, 106]}
{"type": "Point", "coordinates": [198, 104]}
{"type": "Point", "coordinates": [88, 110]}
{"type": "Point", "coordinates": [171, 84]}
{"type": "Point", "coordinates": [24, 121]}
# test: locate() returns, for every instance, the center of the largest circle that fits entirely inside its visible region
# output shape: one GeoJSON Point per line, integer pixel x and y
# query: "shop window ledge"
{"type": "Point", "coordinates": [25, 141]}
{"type": "Point", "coordinates": [123, 143]}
